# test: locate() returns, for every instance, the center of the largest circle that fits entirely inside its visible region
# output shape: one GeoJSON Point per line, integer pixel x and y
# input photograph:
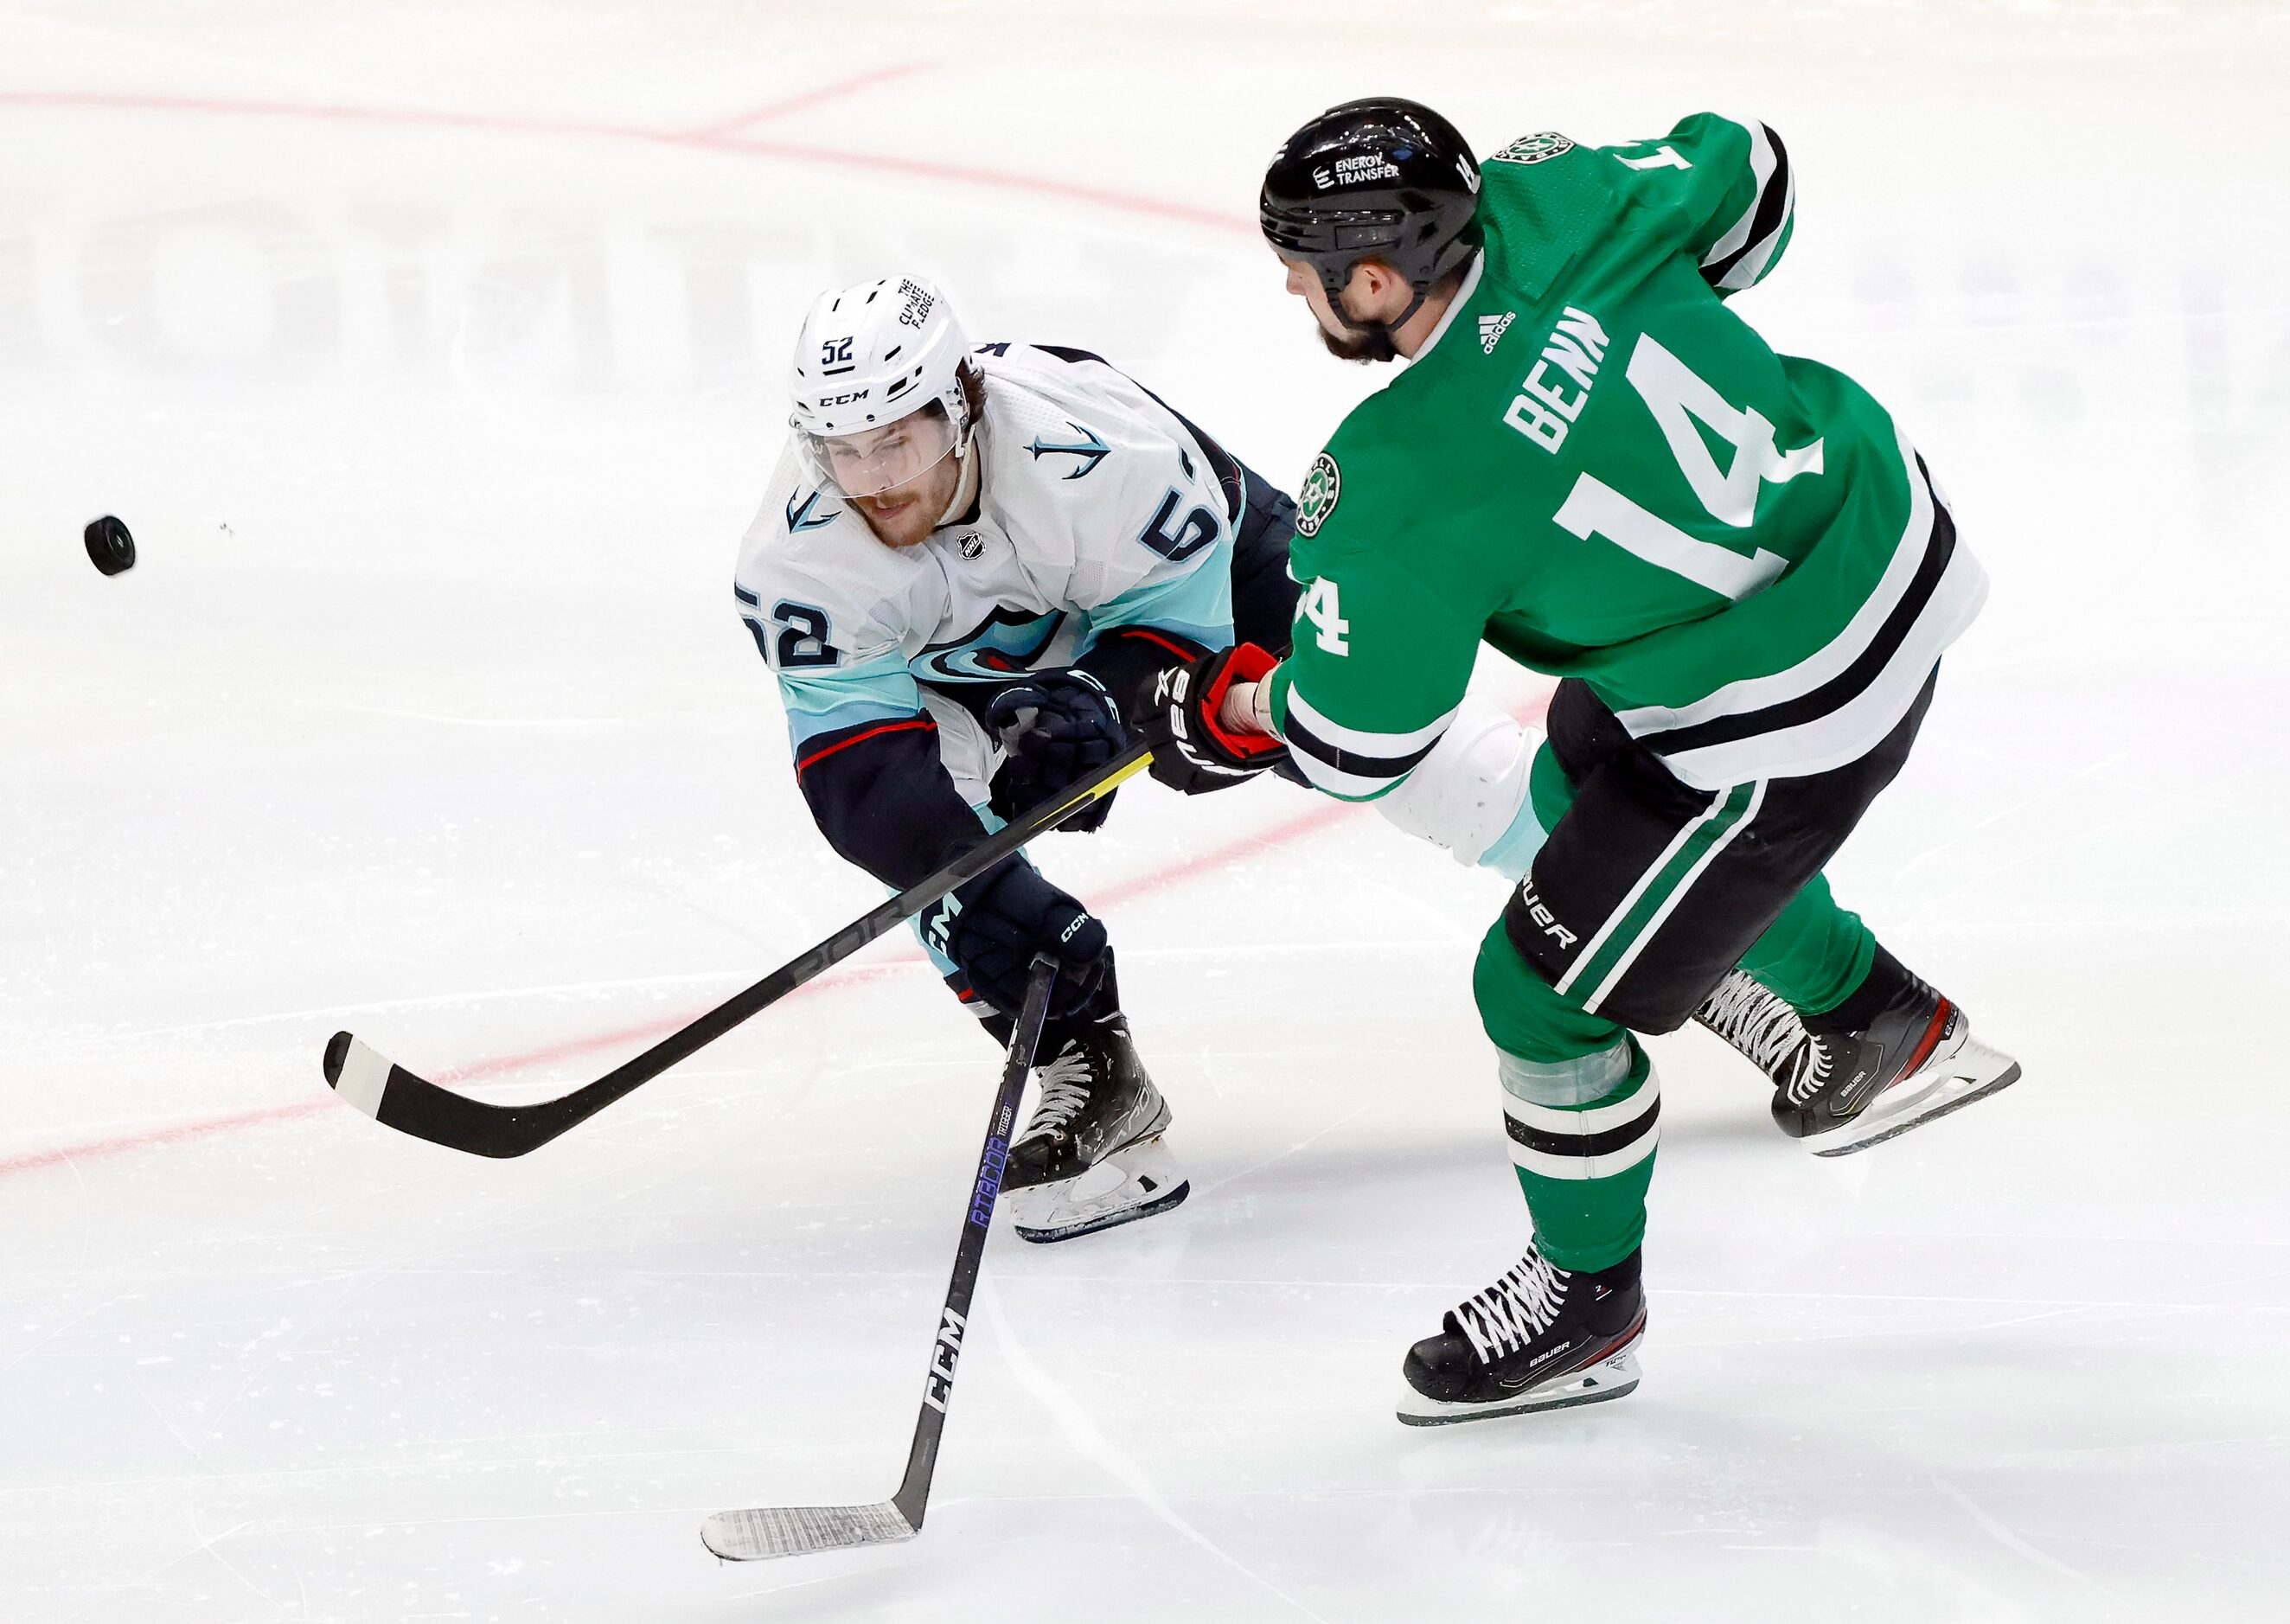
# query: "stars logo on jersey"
{"type": "Point", "coordinates": [807, 517]}
{"type": "Point", "coordinates": [1534, 148]}
{"type": "Point", "coordinates": [1491, 329]}
{"type": "Point", "coordinates": [1316, 500]}
{"type": "Point", "coordinates": [1091, 451]}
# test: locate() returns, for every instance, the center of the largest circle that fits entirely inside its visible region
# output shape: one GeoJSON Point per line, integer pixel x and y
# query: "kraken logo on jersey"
{"type": "Point", "coordinates": [1005, 644]}
{"type": "Point", "coordinates": [1092, 450]}
{"type": "Point", "coordinates": [1315, 500]}
{"type": "Point", "coordinates": [806, 516]}
{"type": "Point", "coordinates": [1534, 148]}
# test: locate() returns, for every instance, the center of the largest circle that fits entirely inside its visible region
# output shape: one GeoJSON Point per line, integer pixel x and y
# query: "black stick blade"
{"type": "Point", "coordinates": [396, 1098]}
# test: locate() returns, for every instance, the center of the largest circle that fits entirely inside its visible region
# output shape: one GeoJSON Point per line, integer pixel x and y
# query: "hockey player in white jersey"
{"type": "Point", "coordinates": [969, 565]}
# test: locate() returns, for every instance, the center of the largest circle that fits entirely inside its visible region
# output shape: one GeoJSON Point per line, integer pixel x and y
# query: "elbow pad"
{"type": "Point", "coordinates": [1468, 797]}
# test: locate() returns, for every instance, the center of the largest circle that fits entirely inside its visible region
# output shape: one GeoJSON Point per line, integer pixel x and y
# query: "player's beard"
{"type": "Point", "coordinates": [1361, 344]}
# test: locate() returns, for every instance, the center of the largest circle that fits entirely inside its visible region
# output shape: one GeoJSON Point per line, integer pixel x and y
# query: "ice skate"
{"type": "Point", "coordinates": [1541, 1337]}
{"type": "Point", "coordinates": [1093, 1157]}
{"type": "Point", "coordinates": [1841, 1088]}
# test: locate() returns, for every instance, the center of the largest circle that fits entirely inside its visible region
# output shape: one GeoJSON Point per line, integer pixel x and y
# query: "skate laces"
{"type": "Point", "coordinates": [1515, 1309]}
{"type": "Point", "coordinates": [1812, 1071]}
{"type": "Point", "coordinates": [1761, 1026]}
{"type": "Point", "coordinates": [1065, 1082]}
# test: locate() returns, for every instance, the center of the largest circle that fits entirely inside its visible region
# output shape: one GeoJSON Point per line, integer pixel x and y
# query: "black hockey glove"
{"type": "Point", "coordinates": [992, 926]}
{"type": "Point", "coordinates": [1058, 729]}
{"type": "Point", "coordinates": [1193, 751]}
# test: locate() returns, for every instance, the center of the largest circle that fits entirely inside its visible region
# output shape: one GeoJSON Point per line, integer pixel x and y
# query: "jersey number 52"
{"type": "Point", "coordinates": [801, 640]}
{"type": "Point", "coordinates": [1198, 530]}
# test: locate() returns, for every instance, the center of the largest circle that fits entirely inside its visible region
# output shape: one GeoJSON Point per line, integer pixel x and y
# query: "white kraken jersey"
{"type": "Point", "coordinates": [1097, 509]}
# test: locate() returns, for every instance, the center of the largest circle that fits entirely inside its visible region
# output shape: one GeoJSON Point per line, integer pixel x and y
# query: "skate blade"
{"type": "Point", "coordinates": [1135, 1182]}
{"type": "Point", "coordinates": [1614, 1377]}
{"type": "Point", "coordinates": [1973, 1073]}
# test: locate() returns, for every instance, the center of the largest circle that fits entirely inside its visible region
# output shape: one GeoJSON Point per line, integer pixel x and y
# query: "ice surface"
{"type": "Point", "coordinates": [432, 355]}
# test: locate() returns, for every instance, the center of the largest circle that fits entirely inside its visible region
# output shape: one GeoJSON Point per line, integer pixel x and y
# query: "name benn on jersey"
{"type": "Point", "coordinates": [1543, 411]}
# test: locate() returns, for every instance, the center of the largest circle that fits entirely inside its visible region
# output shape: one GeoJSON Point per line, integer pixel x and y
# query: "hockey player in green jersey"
{"type": "Point", "coordinates": [1743, 577]}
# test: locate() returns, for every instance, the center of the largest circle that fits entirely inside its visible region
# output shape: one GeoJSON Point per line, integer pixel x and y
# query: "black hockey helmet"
{"type": "Point", "coordinates": [1383, 179]}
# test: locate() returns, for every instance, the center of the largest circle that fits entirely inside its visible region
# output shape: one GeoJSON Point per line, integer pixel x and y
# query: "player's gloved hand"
{"type": "Point", "coordinates": [992, 926]}
{"type": "Point", "coordinates": [1058, 729]}
{"type": "Point", "coordinates": [1193, 750]}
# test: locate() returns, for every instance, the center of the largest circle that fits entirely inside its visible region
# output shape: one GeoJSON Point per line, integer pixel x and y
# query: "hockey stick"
{"type": "Point", "coordinates": [792, 1531]}
{"type": "Point", "coordinates": [397, 1099]}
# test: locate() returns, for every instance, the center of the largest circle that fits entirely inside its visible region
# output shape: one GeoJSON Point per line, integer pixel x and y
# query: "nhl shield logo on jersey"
{"type": "Point", "coordinates": [1316, 500]}
{"type": "Point", "coordinates": [1534, 148]}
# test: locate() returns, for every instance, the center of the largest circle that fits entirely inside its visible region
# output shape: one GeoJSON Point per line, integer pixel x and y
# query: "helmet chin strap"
{"type": "Point", "coordinates": [1386, 333]}
{"type": "Point", "coordinates": [965, 489]}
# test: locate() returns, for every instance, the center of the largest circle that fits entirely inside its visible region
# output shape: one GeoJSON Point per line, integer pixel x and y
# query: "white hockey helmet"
{"type": "Point", "coordinates": [869, 356]}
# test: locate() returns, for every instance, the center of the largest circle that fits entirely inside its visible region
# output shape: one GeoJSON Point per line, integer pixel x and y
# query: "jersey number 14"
{"type": "Point", "coordinates": [1678, 397]}
{"type": "Point", "coordinates": [1319, 605]}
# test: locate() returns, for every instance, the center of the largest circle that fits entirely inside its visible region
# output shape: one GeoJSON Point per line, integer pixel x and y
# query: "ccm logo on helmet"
{"type": "Point", "coordinates": [843, 400]}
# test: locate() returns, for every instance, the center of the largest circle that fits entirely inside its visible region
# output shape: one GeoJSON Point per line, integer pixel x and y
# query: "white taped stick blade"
{"type": "Point", "coordinates": [364, 1076]}
{"type": "Point", "coordinates": [795, 1531]}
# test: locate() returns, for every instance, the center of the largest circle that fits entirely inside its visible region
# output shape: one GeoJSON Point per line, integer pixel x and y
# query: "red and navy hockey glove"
{"type": "Point", "coordinates": [1193, 751]}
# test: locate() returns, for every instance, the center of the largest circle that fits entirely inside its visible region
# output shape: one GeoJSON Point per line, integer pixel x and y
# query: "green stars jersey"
{"type": "Point", "coordinates": [1595, 467]}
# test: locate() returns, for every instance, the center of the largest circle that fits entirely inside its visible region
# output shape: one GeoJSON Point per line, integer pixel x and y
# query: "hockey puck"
{"type": "Point", "coordinates": [109, 548]}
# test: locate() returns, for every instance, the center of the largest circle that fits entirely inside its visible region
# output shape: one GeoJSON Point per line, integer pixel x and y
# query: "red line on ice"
{"type": "Point", "coordinates": [1298, 825]}
{"type": "Point", "coordinates": [1001, 180]}
{"type": "Point", "coordinates": [1306, 822]}
{"type": "Point", "coordinates": [717, 138]}
{"type": "Point", "coordinates": [151, 1138]}
{"type": "Point", "coordinates": [807, 98]}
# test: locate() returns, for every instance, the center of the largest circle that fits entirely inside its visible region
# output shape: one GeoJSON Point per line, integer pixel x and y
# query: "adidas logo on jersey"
{"type": "Point", "coordinates": [1491, 330]}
